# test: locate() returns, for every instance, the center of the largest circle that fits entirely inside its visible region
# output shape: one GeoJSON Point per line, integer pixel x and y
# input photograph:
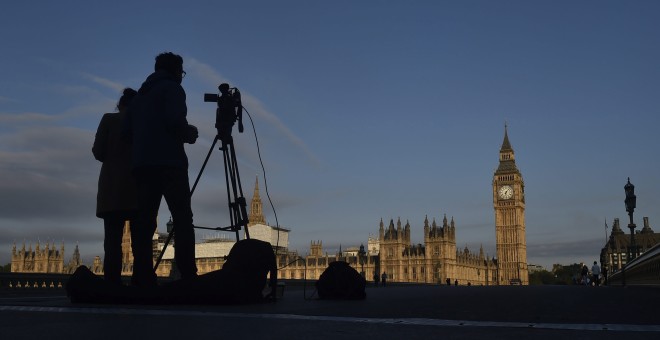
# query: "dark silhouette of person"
{"type": "Point", "coordinates": [158, 129]}
{"type": "Point", "coordinates": [376, 278]}
{"type": "Point", "coordinates": [116, 200]}
{"type": "Point", "coordinates": [585, 275]}
{"type": "Point", "coordinates": [595, 273]}
{"type": "Point", "coordinates": [448, 281]}
{"type": "Point", "coordinates": [383, 278]}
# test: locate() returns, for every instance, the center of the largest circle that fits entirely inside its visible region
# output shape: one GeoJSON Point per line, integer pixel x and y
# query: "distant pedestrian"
{"type": "Point", "coordinates": [383, 278]}
{"type": "Point", "coordinates": [448, 281]}
{"type": "Point", "coordinates": [376, 278]}
{"type": "Point", "coordinates": [595, 274]}
{"type": "Point", "coordinates": [456, 283]}
{"type": "Point", "coordinates": [585, 275]}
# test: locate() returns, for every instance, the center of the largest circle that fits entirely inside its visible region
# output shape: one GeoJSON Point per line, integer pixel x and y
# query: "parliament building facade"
{"type": "Point", "coordinates": [438, 260]}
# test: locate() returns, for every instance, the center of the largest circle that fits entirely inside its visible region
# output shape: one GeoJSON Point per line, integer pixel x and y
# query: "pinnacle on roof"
{"type": "Point", "coordinates": [506, 145]}
{"type": "Point", "coordinates": [256, 187]}
{"type": "Point", "coordinates": [507, 162]}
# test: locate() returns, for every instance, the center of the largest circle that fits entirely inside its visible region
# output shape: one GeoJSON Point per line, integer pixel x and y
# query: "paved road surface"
{"type": "Point", "coordinates": [397, 312]}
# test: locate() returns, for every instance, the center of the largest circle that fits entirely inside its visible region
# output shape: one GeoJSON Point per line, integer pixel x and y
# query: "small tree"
{"type": "Point", "coordinates": [542, 277]}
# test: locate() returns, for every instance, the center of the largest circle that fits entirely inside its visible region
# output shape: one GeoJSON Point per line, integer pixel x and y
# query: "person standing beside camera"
{"type": "Point", "coordinates": [116, 200]}
{"type": "Point", "coordinates": [158, 128]}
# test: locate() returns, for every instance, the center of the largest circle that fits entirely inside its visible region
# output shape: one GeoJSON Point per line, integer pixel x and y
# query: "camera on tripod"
{"type": "Point", "coordinates": [230, 110]}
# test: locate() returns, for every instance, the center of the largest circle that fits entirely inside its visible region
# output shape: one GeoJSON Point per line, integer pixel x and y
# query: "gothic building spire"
{"type": "Point", "coordinates": [256, 215]}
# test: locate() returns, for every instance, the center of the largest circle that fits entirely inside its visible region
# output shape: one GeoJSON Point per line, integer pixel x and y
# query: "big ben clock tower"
{"type": "Point", "coordinates": [509, 203]}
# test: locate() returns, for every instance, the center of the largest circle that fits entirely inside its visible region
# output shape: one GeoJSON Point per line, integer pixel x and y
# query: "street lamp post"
{"type": "Point", "coordinates": [631, 203]}
{"type": "Point", "coordinates": [361, 255]}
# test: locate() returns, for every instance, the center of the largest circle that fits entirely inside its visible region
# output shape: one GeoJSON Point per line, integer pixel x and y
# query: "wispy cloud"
{"type": "Point", "coordinates": [105, 82]}
{"type": "Point", "coordinates": [47, 172]}
{"type": "Point", "coordinates": [6, 100]}
{"type": "Point", "coordinates": [27, 117]}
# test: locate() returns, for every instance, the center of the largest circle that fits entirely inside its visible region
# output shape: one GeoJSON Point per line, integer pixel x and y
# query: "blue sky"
{"type": "Point", "coordinates": [364, 110]}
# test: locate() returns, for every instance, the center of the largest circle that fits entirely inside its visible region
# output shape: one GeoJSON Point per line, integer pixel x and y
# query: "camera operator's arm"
{"type": "Point", "coordinates": [191, 134]}
{"type": "Point", "coordinates": [175, 115]}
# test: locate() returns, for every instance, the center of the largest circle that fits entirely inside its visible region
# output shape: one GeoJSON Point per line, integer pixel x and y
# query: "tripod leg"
{"type": "Point", "coordinates": [162, 252]}
{"type": "Point", "coordinates": [228, 173]}
{"type": "Point", "coordinates": [203, 165]}
{"type": "Point", "coordinates": [240, 200]}
{"type": "Point", "coordinates": [237, 208]}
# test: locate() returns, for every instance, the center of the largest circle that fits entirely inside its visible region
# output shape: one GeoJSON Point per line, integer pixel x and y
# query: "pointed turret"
{"type": "Point", "coordinates": [76, 260]}
{"type": "Point", "coordinates": [256, 215]}
{"type": "Point", "coordinates": [390, 234]}
{"type": "Point", "coordinates": [381, 229]}
{"type": "Point", "coordinates": [406, 231]}
{"type": "Point", "coordinates": [647, 228]}
{"type": "Point", "coordinates": [616, 229]}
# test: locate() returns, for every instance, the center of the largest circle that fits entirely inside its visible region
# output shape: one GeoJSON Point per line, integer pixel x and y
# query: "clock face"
{"type": "Point", "coordinates": [505, 192]}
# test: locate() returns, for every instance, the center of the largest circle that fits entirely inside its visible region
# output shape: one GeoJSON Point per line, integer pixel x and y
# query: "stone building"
{"type": "Point", "coordinates": [615, 253]}
{"type": "Point", "coordinates": [392, 252]}
{"type": "Point", "coordinates": [48, 259]}
{"type": "Point", "coordinates": [436, 261]}
{"type": "Point", "coordinates": [509, 204]}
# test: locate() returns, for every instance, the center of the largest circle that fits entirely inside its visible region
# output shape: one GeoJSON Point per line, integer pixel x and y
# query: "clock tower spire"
{"type": "Point", "coordinates": [509, 204]}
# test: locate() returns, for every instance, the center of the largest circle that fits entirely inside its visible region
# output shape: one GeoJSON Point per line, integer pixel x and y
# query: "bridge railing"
{"type": "Point", "coordinates": [643, 270]}
{"type": "Point", "coordinates": [33, 280]}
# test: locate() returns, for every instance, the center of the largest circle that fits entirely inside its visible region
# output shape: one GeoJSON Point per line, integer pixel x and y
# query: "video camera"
{"type": "Point", "coordinates": [230, 110]}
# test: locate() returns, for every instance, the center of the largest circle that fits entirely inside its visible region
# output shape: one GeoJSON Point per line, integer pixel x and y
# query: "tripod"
{"type": "Point", "coordinates": [229, 110]}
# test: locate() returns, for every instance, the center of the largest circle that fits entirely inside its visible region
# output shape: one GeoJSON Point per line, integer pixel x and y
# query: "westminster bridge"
{"type": "Point", "coordinates": [32, 306]}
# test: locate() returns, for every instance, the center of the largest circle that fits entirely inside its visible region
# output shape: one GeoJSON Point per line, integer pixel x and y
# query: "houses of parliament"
{"type": "Point", "coordinates": [438, 260]}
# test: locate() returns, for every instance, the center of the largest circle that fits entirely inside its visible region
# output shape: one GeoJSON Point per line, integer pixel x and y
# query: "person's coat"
{"type": "Point", "coordinates": [116, 187]}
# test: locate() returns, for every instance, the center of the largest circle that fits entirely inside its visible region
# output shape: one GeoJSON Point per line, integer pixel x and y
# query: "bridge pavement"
{"type": "Point", "coordinates": [395, 312]}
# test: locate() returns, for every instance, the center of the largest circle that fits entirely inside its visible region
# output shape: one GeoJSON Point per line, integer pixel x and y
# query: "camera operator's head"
{"type": "Point", "coordinates": [171, 63]}
{"type": "Point", "coordinates": [224, 88]}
